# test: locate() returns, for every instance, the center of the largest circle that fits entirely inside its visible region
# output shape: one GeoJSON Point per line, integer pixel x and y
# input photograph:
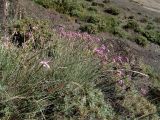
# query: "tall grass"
{"type": "Point", "coordinates": [54, 82]}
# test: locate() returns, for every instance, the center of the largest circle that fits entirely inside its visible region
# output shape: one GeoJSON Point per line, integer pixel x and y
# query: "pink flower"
{"type": "Point", "coordinates": [45, 64]}
{"type": "Point", "coordinates": [120, 83]}
{"type": "Point", "coordinates": [98, 51]}
{"type": "Point", "coordinates": [143, 91]}
{"type": "Point", "coordinates": [103, 47]}
{"type": "Point", "coordinates": [120, 59]}
{"type": "Point", "coordinates": [114, 60]}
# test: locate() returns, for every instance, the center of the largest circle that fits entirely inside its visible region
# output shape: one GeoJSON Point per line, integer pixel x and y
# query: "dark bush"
{"type": "Point", "coordinates": [92, 9]}
{"type": "Point", "coordinates": [150, 26]}
{"type": "Point", "coordinates": [112, 11]}
{"type": "Point", "coordinates": [119, 32]}
{"type": "Point", "coordinates": [98, 4]}
{"type": "Point", "coordinates": [92, 19]}
{"type": "Point", "coordinates": [106, 1]}
{"type": "Point", "coordinates": [131, 17]}
{"type": "Point", "coordinates": [150, 35]}
{"type": "Point", "coordinates": [157, 19]}
{"type": "Point", "coordinates": [131, 25]}
{"type": "Point", "coordinates": [90, 28]}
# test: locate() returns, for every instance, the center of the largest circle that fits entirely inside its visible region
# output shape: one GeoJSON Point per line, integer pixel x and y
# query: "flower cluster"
{"type": "Point", "coordinates": [77, 35]}
{"type": "Point", "coordinates": [120, 59]}
{"type": "Point", "coordinates": [102, 52]}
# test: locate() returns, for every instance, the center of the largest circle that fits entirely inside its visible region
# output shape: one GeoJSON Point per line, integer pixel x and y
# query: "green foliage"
{"type": "Point", "coordinates": [141, 40]}
{"type": "Point", "coordinates": [67, 6]}
{"type": "Point", "coordinates": [131, 24]}
{"type": "Point", "coordinates": [92, 9]}
{"type": "Point", "coordinates": [112, 11]}
{"type": "Point", "coordinates": [119, 32]}
{"type": "Point", "coordinates": [93, 19]}
{"type": "Point", "coordinates": [152, 36]}
{"type": "Point", "coordinates": [150, 26]}
{"type": "Point", "coordinates": [139, 106]}
{"type": "Point", "coordinates": [90, 28]}
{"type": "Point", "coordinates": [99, 23]}
{"type": "Point", "coordinates": [76, 13]}
{"type": "Point", "coordinates": [91, 105]}
{"type": "Point", "coordinates": [98, 4]}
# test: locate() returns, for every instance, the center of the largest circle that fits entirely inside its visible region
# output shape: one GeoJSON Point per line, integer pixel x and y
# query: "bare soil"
{"type": "Point", "coordinates": [153, 5]}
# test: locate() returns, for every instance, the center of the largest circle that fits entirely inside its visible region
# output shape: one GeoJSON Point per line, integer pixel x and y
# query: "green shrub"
{"type": "Point", "coordinates": [112, 11]}
{"type": "Point", "coordinates": [152, 36]}
{"type": "Point", "coordinates": [90, 28]}
{"type": "Point", "coordinates": [131, 24]}
{"type": "Point", "coordinates": [98, 4]}
{"type": "Point", "coordinates": [62, 6]}
{"type": "Point", "coordinates": [150, 26]}
{"type": "Point", "coordinates": [92, 9]}
{"type": "Point", "coordinates": [139, 30]}
{"type": "Point", "coordinates": [93, 19]}
{"type": "Point", "coordinates": [76, 13]}
{"type": "Point", "coordinates": [119, 32]}
{"type": "Point", "coordinates": [45, 3]}
{"type": "Point", "coordinates": [140, 40]}
{"type": "Point", "coordinates": [139, 107]}
{"type": "Point", "coordinates": [111, 23]}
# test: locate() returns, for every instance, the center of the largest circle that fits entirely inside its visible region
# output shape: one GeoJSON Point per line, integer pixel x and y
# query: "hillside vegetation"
{"type": "Point", "coordinates": [102, 16]}
{"type": "Point", "coordinates": [59, 74]}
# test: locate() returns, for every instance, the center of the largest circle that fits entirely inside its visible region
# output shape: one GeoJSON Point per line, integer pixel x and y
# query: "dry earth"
{"type": "Point", "coordinates": [153, 5]}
